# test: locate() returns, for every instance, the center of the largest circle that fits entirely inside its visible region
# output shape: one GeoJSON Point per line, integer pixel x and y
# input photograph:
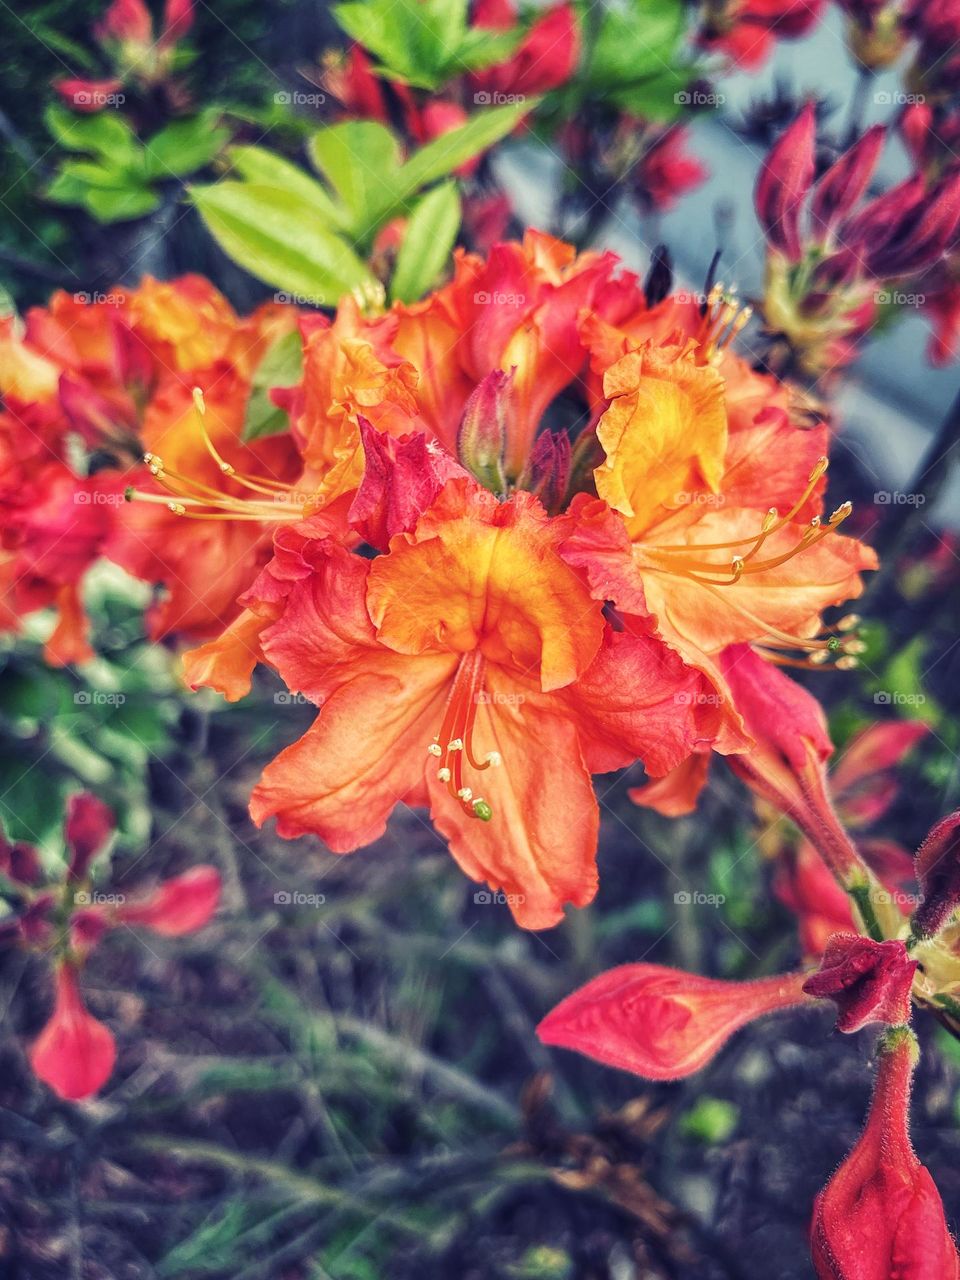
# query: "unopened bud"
{"type": "Point", "coordinates": [483, 429]}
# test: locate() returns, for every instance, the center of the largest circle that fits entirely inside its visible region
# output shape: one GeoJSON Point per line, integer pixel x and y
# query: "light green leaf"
{"type": "Point", "coordinates": [413, 39]}
{"type": "Point", "coordinates": [267, 169]}
{"type": "Point", "coordinates": [281, 239]}
{"type": "Point", "coordinates": [360, 159]}
{"type": "Point", "coordinates": [427, 244]}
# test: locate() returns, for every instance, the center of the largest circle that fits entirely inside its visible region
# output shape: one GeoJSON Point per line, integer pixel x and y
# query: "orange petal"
{"type": "Point", "coordinates": [539, 846]}
{"type": "Point", "coordinates": [664, 434]}
{"type": "Point", "coordinates": [479, 573]}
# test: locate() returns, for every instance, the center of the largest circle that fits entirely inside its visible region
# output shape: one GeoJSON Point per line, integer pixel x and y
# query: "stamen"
{"type": "Point", "coordinates": [459, 717]}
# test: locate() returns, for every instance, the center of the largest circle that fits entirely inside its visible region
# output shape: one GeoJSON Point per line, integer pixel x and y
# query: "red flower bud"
{"type": "Point", "coordinates": [869, 981]}
{"type": "Point", "coordinates": [177, 21]}
{"type": "Point", "coordinates": [880, 1215]}
{"type": "Point", "coordinates": [74, 1053]}
{"type": "Point", "coordinates": [547, 473]}
{"type": "Point", "coordinates": [88, 826]}
{"type": "Point", "coordinates": [484, 428]}
{"type": "Point", "coordinates": [661, 1023]}
{"type": "Point", "coordinates": [401, 477]}
{"type": "Point", "coordinates": [180, 905]}
{"type": "Point", "coordinates": [907, 229]}
{"type": "Point", "coordinates": [938, 871]}
{"type": "Point", "coordinates": [845, 181]}
{"type": "Point", "coordinates": [126, 21]}
{"type": "Point", "coordinates": [19, 861]}
{"type": "Point", "coordinates": [784, 181]}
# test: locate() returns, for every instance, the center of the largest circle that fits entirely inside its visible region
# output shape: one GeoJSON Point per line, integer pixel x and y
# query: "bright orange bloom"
{"type": "Point", "coordinates": [470, 669]}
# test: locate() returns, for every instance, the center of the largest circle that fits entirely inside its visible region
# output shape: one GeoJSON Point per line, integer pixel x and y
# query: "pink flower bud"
{"type": "Point", "coordinates": [880, 1216]}
{"type": "Point", "coordinates": [938, 871]}
{"type": "Point", "coordinates": [127, 22]}
{"type": "Point", "coordinates": [180, 905]}
{"type": "Point", "coordinates": [88, 826]}
{"type": "Point", "coordinates": [785, 179]}
{"type": "Point", "coordinates": [868, 981]}
{"type": "Point", "coordinates": [661, 1023]}
{"type": "Point", "coordinates": [74, 1053]}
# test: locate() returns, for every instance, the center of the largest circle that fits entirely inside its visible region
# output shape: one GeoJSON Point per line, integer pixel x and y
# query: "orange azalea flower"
{"type": "Point", "coordinates": [469, 668]}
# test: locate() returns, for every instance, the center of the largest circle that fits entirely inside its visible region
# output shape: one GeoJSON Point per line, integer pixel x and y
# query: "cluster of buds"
{"type": "Point", "coordinates": [63, 919]}
{"type": "Point", "coordinates": [140, 56]}
{"type": "Point", "coordinates": [836, 256]}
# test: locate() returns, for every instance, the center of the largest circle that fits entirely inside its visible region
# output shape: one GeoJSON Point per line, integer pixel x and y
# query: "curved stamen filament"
{"type": "Point", "coordinates": [196, 500]}
{"type": "Point", "coordinates": [454, 743]}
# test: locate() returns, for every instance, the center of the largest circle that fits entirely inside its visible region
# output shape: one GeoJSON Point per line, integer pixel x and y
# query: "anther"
{"type": "Point", "coordinates": [465, 793]}
{"type": "Point", "coordinates": [444, 775]}
{"type": "Point", "coordinates": [847, 663]}
{"type": "Point", "coordinates": [199, 401]}
{"type": "Point", "coordinates": [435, 749]}
{"type": "Point", "coordinates": [848, 622]}
{"type": "Point", "coordinates": [455, 744]}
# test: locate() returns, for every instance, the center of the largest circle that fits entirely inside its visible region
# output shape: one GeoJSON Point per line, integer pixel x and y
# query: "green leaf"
{"type": "Point", "coordinates": [360, 159]}
{"type": "Point", "coordinates": [451, 150]}
{"type": "Point", "coordinates": [266, 169]}
{"type": "Point", "coordinates": [183, 147]}
{"type": "Point", "coordinates": [413, 39]}
{"type": "Point", "coordinates": [281, 239]}
{"type": "Point", "coordinates": [282, 366]}
{"type": "Point", "coordinates": [635, 44]}
{"type": "Point", "coordinates": [105, 134]}
{"type": "Point", "coordinates": [427, 244]}
{"type": "Point", "coordinates": [120, 206]}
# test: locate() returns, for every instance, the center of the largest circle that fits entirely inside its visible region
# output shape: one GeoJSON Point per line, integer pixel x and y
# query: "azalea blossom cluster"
{"type": "Point", "coordinates": [599, 536]}
{"type": "Point", "coordinates": [63, 918]}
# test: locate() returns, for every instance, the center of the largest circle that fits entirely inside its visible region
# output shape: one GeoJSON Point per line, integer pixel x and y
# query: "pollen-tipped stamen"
{"type": "Point", "coordinates": [453, 745]}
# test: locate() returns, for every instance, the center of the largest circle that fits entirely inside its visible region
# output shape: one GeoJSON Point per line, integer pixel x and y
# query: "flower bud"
{"type": "Point", "coordinates": [547, 473]}
{"type": "Point", "coordinates": [868, 981]}
{"type": "Point", "coordinates": [938, 871]}
{"type": "Point", "coordinates": [784, 181]}
{"type": "Point", "coordinates": [661, 1023]}
{"type": "Point", "coordinates": [19, 860]}
{"type": "Point", "coordinates": [845, 181]}
{"type": "Point", "coordinates": [180, 905]}
{"type": "Point", "coordinates": [88, 826]}
{"type": "Point", "coordinates": [483, 429]}
{"type": "Point", "coordinates": [880, 1215]}
{"type": "Point", "coordinates": [74, 1053]}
